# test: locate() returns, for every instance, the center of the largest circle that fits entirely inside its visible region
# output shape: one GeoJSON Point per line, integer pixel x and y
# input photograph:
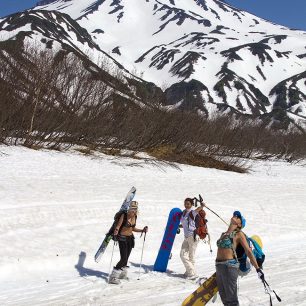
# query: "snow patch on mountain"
{"type": "Point", "coordinates": [171, 42]}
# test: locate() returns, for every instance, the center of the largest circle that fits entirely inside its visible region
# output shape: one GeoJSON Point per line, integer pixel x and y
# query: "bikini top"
{"type": "Point", "coordinates": [226, 240]}
{"type": "Point", "coordinates": [128, 224]}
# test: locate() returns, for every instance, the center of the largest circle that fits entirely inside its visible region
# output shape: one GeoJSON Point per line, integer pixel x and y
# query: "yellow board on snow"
{"type": "Point", "coordinates": [203, 294]}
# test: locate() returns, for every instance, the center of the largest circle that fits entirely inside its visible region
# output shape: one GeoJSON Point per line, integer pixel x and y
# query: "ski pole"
{"type": "Point", "coordinates": [201, 201]}
{"type": "Point", "coordinates": [217, 215]}
{"type": "Point", "coordinates": [110, 265]}
{"type": "Point", "coordinates": [144, 239]}
{"type": "Point", "coordinates": [268, 290]}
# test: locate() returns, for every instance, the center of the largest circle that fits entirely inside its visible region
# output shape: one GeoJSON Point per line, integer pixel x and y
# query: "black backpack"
{"type": "Point", "coordinates": [116, 220]}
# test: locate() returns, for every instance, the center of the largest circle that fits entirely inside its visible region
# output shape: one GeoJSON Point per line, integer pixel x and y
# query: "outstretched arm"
{"type": "Point", "coordinates": [138, 230]}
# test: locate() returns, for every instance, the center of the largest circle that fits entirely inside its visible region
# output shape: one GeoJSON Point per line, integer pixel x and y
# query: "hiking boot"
{"type": "Point", "coordinates": [114, 277]}
{"type": "Point", "coordinates": [192, 276]}
{"type": "Point", "coordinates": [123, 274]}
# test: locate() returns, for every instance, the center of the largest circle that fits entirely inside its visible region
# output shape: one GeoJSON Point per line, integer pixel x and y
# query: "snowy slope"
{"type": "Point", "coordinates": [174, 40]}
{"type": "Point", "coordinates": [56, 207]}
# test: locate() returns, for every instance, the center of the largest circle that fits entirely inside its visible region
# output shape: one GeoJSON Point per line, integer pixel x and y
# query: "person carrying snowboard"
{"type": "Point", "coordinates": [123, 233]}
{"type": "Point", "coordinates": [191, 241]}
{"type": "Point", "coordinates": [227, 264]}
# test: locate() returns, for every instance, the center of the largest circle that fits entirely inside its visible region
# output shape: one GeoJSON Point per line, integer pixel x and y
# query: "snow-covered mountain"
{"type": "Point", "coordinates": [59, 32]}
{"type": "Point", "coordinates": [210, 55]}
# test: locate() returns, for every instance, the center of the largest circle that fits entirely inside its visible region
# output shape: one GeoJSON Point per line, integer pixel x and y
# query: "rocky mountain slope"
{"type": "Point", "coordinates": [208, 55]}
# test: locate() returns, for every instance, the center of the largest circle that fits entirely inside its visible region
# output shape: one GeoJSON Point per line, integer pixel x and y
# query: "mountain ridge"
{"type": "Point", "coordinates": [242, 61]}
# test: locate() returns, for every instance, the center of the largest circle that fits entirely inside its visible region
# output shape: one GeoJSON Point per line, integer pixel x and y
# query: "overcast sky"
{"type": "Point", "coordinates": [289, 13]}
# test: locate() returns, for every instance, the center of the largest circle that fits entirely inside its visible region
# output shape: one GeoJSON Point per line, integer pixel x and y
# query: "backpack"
{"type": "Point", "coordinates": [116, 219]}
{"type": "Point", "coordinates": [200, 224]}
{"type": "Point", "coordinates": [244, 263]}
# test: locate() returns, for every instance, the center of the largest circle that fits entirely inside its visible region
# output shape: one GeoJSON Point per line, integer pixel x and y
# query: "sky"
{"type": "Point", "coordinates": [12, 6]}
{"type": "Point", "coordinates": [288, 13]}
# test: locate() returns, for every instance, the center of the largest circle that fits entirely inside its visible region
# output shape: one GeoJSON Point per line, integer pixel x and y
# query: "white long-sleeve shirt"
{"type": "Point", "coordinates": [188, 225]}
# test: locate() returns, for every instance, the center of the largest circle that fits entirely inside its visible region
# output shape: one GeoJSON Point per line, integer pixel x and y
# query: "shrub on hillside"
{"type": "Point", "coordinates": [53, 101]}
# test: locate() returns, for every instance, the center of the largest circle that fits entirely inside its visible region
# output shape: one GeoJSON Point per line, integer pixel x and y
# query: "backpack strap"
{"type": "Point", "coordinates": [124, 222]}
{"type": "Point", "coordinates": [191, 216]}
{"type": "Point", "coordinates": [232, 235]}
{"type": "Point", "coordinates": [184, 212]}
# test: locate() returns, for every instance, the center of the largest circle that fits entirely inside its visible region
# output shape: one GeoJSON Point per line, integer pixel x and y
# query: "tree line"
{"type": "Point", "coordinates": [52, 100]}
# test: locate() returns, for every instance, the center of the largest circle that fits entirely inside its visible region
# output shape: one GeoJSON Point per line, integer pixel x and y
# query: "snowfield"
{"type": "Point", "coordinates": [56, 207]}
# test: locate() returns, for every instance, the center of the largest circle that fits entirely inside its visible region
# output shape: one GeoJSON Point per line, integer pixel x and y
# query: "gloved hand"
{"type": "Point", "coordinates": [145, 229]}
{"type": "Point", "coordinates": [203, 204]}
{"type": "Point", "coordinates": [260, 274]}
